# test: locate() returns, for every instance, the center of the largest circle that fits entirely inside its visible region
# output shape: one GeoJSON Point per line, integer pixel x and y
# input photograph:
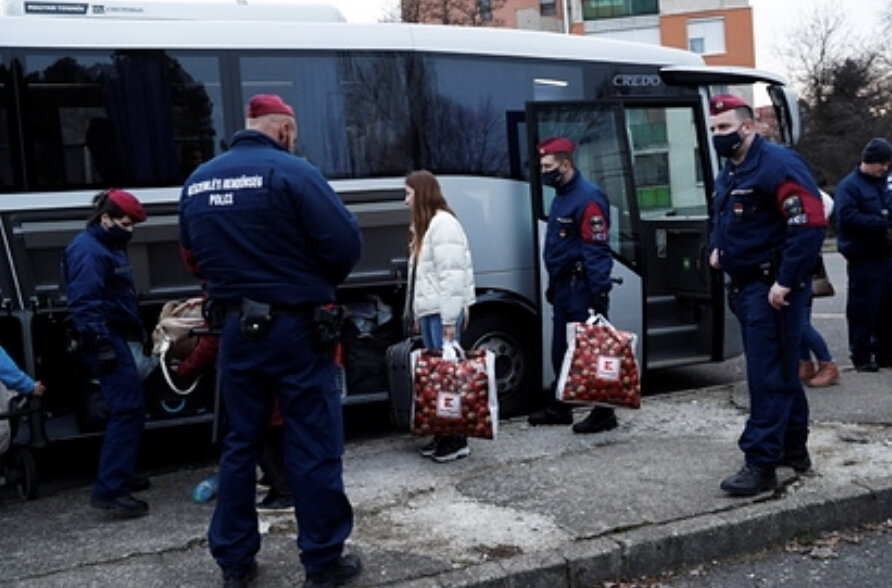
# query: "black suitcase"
{"type": "Point", "coordinates": [399, 380]}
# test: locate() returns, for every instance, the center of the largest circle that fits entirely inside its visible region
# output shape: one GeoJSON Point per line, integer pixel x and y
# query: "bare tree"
{"type": "Point", "coordinates": [844, 82]}
{"type": "Point", "coordinates": [474, 13]}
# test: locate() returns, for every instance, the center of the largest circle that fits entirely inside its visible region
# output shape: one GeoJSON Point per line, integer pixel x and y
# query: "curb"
{"type": "Point", "coordinates": [652, 550]}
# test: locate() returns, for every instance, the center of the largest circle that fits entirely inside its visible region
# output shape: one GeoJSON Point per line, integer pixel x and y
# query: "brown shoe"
{"type": "Point", "coordinates": [806, 370]}
{"type": "Point", "coordinates": [826, 375]}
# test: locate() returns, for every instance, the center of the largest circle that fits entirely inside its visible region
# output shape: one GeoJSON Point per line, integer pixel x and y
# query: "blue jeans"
{"type": "Point", "coordinates": [812, 341]}
{"type": "Point", "coordinates": [432, 330]}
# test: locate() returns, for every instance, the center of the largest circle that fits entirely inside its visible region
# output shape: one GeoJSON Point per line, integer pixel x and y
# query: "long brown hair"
{"type": "Point", "coordinates": [428, 200]}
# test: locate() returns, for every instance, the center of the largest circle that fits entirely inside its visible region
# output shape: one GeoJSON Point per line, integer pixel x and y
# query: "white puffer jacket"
{"type": "Point", "coordinates": [444, 274]}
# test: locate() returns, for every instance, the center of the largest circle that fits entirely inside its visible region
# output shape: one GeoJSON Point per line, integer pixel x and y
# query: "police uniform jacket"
{"type": "Point", "coordinates": [264, 224]}
{"type": "Point", "coordinates": [766, 210]}
{"type": "Point", "coordinates": [99, 285]}
{"type": "Point", "coordinates": [444, 274]}
{"type": "Point", "coordinates": [576, 240]}
{"type": "Point", "coordinates": [859, 203]}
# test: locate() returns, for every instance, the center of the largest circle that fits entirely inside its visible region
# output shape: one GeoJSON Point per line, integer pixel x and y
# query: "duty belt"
{"type": "Point", "coordinates": [760, 273]}
{"type": "Point", "coordinates": [235, 307]}
{"type": "Point", "coordinates": [576, 269]}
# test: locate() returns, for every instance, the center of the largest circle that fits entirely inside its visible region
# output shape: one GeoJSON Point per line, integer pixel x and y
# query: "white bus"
{"type": "Point", "coordinates": [88, 101]}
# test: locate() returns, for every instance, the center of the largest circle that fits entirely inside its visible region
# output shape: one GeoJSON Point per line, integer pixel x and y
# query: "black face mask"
{"type": "Point", "coordinates": [115, 236]}
{"type": "Point", "coordinates": [552, 178]}
{"type": "Point", "coordinates": [727, 145]}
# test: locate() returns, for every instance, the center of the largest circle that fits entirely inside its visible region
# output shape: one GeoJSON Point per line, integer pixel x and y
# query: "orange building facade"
{"type": "Point", "coordinates": [720, 30]}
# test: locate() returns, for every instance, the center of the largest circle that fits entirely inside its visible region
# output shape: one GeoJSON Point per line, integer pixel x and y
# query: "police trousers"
{"type": "Point", "coordinates": [869, 310]}
{"type": "Point", "coordinates": [778, 420]}
{"type": "Point", "coordinates": [571, 304]}
{"type": "Point", "coordinates": [122, 390]}
{"type": "Point", "coordinates": [253, 371]}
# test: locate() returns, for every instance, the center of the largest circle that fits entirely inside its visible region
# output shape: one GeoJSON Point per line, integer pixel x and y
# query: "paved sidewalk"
{"type": "Point", "coordinates": [537, 507]}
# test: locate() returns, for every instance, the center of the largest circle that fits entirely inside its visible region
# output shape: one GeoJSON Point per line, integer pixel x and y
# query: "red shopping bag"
{"type": "Point", "coordinates": [455, 393]}
{"type": "Point", "coordinates": [599, 365]}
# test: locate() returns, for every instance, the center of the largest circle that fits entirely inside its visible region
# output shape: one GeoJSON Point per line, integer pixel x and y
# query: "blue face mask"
{"type": "Point", "coordinates": [552, 178]}
{"type": "Point", "coordinates": [727, 145]}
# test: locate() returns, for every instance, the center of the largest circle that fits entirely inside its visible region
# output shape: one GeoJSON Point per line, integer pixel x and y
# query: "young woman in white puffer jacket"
{"type": "Point", "coordinates": [442, 277]}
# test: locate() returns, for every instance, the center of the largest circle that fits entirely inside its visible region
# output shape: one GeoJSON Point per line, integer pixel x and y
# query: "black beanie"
{"type": "Point", "coordinates": [877, 150]}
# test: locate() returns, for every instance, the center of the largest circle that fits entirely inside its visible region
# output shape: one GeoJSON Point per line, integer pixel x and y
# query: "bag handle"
{"type": "Point", "coordinates": [165, 370]}
{"type": "Point", "coordinates": [596, 318]}
{"type": "Point", "coordinates": [452, 350]}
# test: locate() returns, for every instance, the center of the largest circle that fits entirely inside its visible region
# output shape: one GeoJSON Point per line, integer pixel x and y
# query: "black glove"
{"type": "Point", "coordinates": [106, 355]}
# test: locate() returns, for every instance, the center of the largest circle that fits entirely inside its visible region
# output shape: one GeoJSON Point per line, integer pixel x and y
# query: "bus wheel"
{"type": "Point", "coordinates": [505, 337]}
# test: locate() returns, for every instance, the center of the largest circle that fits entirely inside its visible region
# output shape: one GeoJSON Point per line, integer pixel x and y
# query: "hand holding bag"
{"type": "Point", "coordinates": [820, 282]}
{"type": "Point", "coordinates": [599, 365]}
{"type": "Point", "coordinates": [455, 392]}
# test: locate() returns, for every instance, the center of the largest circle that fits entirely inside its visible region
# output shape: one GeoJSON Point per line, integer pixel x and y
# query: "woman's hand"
{"type": "Point", "coordinates": [39, 388]}
{"type": "Point", "coordinates": [449, 332]}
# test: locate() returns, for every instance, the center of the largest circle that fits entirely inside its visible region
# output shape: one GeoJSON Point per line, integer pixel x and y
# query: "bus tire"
{"type": "Point", "coordinates": [504, 334]}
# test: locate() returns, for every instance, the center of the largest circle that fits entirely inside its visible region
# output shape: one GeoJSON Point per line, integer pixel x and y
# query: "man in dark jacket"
{"type": "Point", "coordinates": [273, 241]}
{"type": "Point", "coordinates": [768, 226]}
{"type": "Point", "coordinates": [578, 260]}
{"type": "Point", "coordinates": [863, 205]}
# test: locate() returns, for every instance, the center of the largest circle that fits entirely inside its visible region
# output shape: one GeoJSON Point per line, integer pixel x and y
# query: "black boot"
{"type": "Point", "coordinates": [752, 479]}
{"type": "Point", "coordinates": [599, 419]}
{"type": "Point", "coordinates": [346, 570]}
{"type": "Point", "coordinates": [551, 416]}
{"type": "Point", "coordinates": [798, 459]}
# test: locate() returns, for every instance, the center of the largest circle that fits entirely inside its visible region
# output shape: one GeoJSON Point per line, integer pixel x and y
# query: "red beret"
{"type": "Point", "coordinates": [128, 204]}
{"type": "Point", "coordinates": [556, 145]}
{"type": "Point", "coordinates": [724, 103]}
{"type": "Point", "coordinates": [263, 104]}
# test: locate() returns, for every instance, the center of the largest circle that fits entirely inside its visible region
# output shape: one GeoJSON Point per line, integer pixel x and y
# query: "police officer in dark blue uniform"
{"type": "Point", "coordinates": [768, 226]}
{"type": "Point", "coordinates": [105, 311]}
{"type": "Point", "coordinates": [863, 205]}
{"type": "Point", "coordinates": [273, 241]}
{"type": "Point", "coordinates": [578, 260]}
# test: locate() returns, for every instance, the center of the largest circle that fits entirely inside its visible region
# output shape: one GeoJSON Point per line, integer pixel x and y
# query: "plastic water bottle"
{"type": "Point", "coordinates": [206, 489]}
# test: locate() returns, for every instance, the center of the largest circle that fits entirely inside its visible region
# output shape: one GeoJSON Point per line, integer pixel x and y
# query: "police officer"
{"type": "Point", "coordinates": [104, 308]}
{"type": "Point", "coordinates": [768, 226]}
{"type": "Point", "coordinates": [578, 260]}
{"type": "Point", "coordinates": [863, 204]}
{"type": "Point", "coordinates": [273, 241]}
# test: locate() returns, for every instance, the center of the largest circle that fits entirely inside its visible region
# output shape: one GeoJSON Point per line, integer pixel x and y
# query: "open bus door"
{"type": "Point", "coordinates": [649, 156]}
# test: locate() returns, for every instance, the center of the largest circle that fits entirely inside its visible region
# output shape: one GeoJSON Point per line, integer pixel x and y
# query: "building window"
{"type": "Point", "coordinates": [706, 36]}
{"type": "Point", "coordinates": [600, 9]}
{"type": "Point", "coordinates": [486, 10]}
{"type": "Point", "coordinates": [547, 7]}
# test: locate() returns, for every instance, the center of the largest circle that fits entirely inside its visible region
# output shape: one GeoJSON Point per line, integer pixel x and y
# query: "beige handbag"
{"type": "Point", "coordinates": [172, 338]}
{"type": "Point", "coordinates": [820, 282]}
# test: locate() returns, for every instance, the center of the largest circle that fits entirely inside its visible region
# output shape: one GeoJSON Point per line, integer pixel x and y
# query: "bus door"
{"type": "Point", "coordinates": [648, 156]}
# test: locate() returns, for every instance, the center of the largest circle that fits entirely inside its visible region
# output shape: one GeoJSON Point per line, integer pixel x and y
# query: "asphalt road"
{"type": "Point", "coordinates": [857, 557]}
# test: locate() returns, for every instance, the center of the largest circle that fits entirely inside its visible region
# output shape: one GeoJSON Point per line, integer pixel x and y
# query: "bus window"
{"type": "Point", "coordinates": [132, 118]}
{"type": "Point", "coordinates": [467, 100]}
{"type": "Point", "coordinates": [6, 141]}
{"type": "Point", "coordinates": [601, 158]}
{"type": "Point", "coordinates": [352, 109]}
{"type": "Point", "coordinates": [666, 161]}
